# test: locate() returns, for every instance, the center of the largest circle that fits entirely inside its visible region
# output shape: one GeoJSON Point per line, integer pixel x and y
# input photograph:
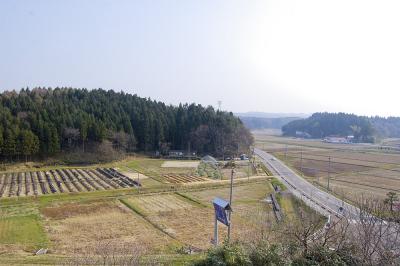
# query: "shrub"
{"type": "Point", "coordinates": [229, 254]}
{"type": "Point", "coordinates": [263, 254]}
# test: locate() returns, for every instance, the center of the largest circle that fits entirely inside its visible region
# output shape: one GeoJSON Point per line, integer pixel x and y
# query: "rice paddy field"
{"type": "Point", "coordinates": [354, 170]}
{"type": "Point", "coordinates": [80, 210]}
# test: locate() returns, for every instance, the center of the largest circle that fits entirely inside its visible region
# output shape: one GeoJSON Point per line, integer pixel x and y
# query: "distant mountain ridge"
{"type": "Point", "coordinates": [266, 123]}
{"type": "Point", "coordinates": [261, 120]}
{"type": "Point", "coordinates": [272, 115]}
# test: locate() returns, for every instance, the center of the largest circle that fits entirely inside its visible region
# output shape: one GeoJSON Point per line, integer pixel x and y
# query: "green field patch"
{"type": "Point", "coordinates": [286, 204]}
{"type": "Point", "coordinates": [8, 211]}
{"type": "Point", "coordinates": [26, 231]}
{"type": "Point", "coordinates": [278, 183]}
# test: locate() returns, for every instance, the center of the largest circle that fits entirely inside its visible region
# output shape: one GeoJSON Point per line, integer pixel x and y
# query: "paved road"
{"type": "Point", "coordinates": [329, 205]}
{"type": "Point", "coordinates": [319, 200]}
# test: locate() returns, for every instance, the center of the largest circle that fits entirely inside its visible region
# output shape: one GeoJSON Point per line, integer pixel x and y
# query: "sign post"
{"type": "Point", "coordinates": [230, 204]}
{"type": "Point", "coordinates": [216, 231]}
{"type": "Point", "coordinates": [222, 210]}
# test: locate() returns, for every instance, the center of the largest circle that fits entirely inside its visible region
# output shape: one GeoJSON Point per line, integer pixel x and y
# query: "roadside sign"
{"type": "Point", "coordinates": [221, 208]}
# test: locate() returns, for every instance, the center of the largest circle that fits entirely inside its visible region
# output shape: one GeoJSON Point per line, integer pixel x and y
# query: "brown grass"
{"type": "Point", "coordinates": [72, 209]}
{"type": "Point", "coordinates": [159, 203]}
{"type": "Point", "coordinates": [79, 228]}
{"type": "Point", "coordinates": [192, 224]}
{"type": "Point", "coordinates": [251, 192]}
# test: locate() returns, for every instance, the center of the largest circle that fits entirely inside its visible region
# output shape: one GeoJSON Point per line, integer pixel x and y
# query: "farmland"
{"type": "Point", "coordinates": [179, 214]}
{"type": "Point", "coordinates": [36, 183]}
{"type": "Point", "coordinates": [355, 170]}
{"type": "Point", "coordinates": [79, 210]}
{"type": "Point", "coordinates": [166, 171]}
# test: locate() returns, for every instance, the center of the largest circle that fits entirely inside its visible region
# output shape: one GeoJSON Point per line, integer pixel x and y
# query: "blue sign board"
{"type": "Point", "coordinates": [221, 208]}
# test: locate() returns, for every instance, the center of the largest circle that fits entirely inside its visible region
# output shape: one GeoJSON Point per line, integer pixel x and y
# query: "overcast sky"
{"type": "Point", "coordinates": [271, 56]}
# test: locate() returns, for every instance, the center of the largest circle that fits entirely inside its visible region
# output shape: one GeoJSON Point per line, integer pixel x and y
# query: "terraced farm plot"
{"type": "Point", "coordinates": [80, 227]}
{"type": "Point", "coordinates": [62, 181]}
{"type": "Point", "coordinates": [192, 223]}
{"type": "Point", "coordinates": [159, 203]}
{"type": "Point", "coordinates": [242, 193]}
{"type": "Point", "coordinates": [189, 223]}
{"type": "Point", "coordinates": [183, 178]}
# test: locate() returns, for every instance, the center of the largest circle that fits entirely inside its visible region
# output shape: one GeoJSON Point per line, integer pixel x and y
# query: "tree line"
{"type": "Point", "coordinates": [321, 125]}
{"type": "Point", "coordinates": [44, 121]}
{"type": "Point", "coordinates": [386, 127]}
{"type": "Point", "coordinates": [364, 129]}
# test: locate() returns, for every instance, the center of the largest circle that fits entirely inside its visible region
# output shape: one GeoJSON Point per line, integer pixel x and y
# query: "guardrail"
{"type": "Point", "coordinates": [276, 208]}
{"type": "Point", "coordinates": [310, 201]}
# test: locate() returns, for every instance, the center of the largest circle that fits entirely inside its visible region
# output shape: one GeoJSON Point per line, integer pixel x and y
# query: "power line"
{"type": "Point", "coordinates": [353, 159]}
{"type": "Point", "coordinates": [341, 174]}
{"type": "Point", "coordinates": [333, 162]}
{"type": "Point", "coordinates": [344, 158]}
{"type": "Point", "coordinates": [329, 172]}
{"type": "Point", "coordinates": [365, 185]}
{"type": "Point", "coordinates": [301, 163]}
{"type": "Point", "coordinates": [394, 151]}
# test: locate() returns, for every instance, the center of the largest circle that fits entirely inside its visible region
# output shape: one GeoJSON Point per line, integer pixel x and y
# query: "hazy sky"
{"type": "Point", "coordinates": [272, 56]}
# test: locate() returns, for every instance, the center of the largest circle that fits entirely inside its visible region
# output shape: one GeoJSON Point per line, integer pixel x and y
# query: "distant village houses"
{"type": "Point", "coordinates": [302, 134]}
{"type": "Point", "coordinates": [181, 154]}
{"type": "Point", "coordinates": [340, 140]}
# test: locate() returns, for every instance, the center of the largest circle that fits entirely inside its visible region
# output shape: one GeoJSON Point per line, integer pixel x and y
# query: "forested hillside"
{"type": "Point", "coordinates": [321, 125]}
{"type": "Point", "coordinates": [387, 127]}
{"type": "Point", "coordinates": [43, 122]}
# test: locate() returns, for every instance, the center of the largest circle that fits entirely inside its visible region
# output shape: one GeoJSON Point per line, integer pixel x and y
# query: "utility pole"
{"type": "Point", "coordinates": [286, 153]}
{"type": "Point", "coordinates": [329, 170]}
{"type": "Point", "coordinates": [230, 203]}
{"type": "Point", "coordinates": [301, 162]}
{"type": "Point", "coordinates": [343, 198]}
{"type": "Point", "coordinates": [248, 171]}
{"type": "Point", "coordinates": [138, 180]}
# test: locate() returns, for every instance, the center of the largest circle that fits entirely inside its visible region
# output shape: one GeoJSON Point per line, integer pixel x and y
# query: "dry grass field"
{"type": "Point", "coordinates": [159, 203]}
{"type": "Point", "coordinates": [355, 170]}
{"type": "Point", "coordinates": [180, 164]}
{"type": "Point", "coordinates": [190, 218]}
{"type": "Point", "coordinates": [78, 227]}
